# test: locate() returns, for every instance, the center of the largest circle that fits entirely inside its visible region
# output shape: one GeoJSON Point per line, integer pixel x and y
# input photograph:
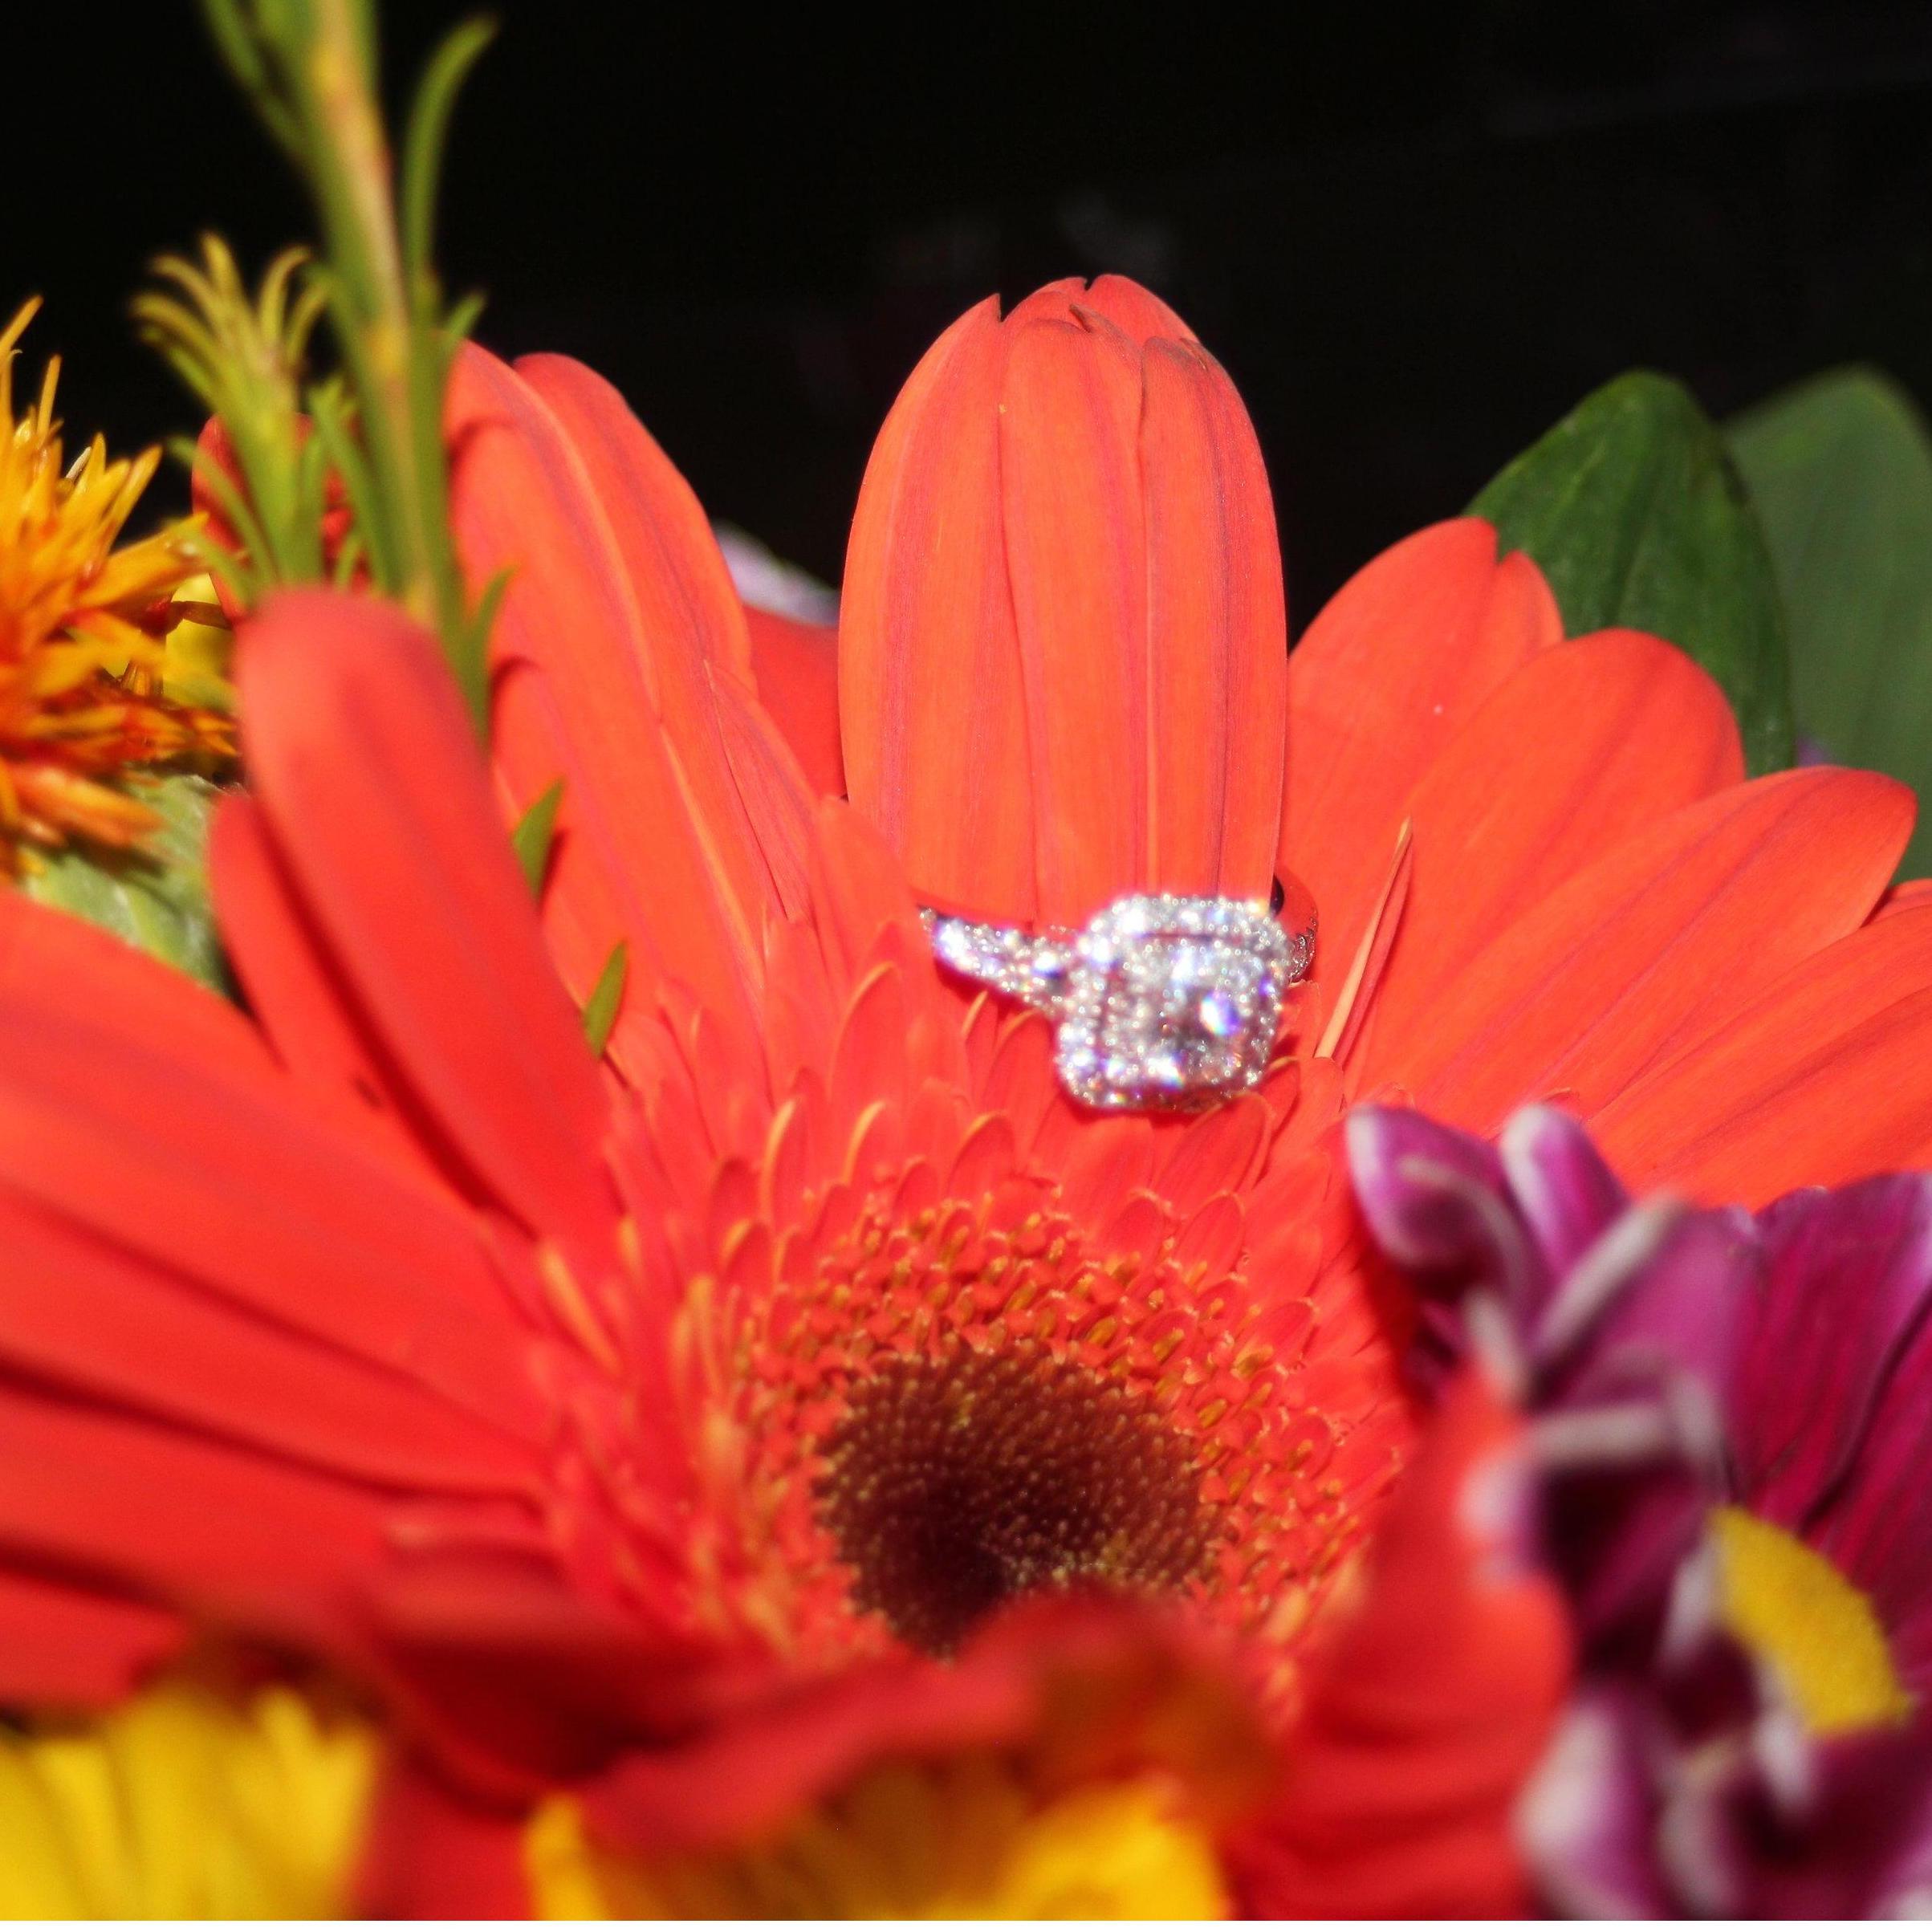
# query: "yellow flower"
{"type": "Point", "coordinates": [183, 1803]}
{"type": "Point", "coordinates": [82, 695]}
{"type": "Point", "coordinates": [964, 1839]}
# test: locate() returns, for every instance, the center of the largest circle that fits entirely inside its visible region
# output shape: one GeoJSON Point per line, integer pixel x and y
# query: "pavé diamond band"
{"type": "Point", "coordinates": [1160, 1001]}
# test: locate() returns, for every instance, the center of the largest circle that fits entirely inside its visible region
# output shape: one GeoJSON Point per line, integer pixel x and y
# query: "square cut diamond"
{"type": "Point", "coordinates": [1173, 1002]}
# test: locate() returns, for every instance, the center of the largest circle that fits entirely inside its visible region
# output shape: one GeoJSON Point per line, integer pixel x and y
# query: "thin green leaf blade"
{"type": "Point", "coordinates": [1632, 507]}
{"type": "Point", "coordinates": [1840, 469]}
{"type": "Point", "coordinates": [531, 838]}
{"type": "Point", "coordinates": [601, 1010]}
{"type": "Point", "coordinates": [156, 900]}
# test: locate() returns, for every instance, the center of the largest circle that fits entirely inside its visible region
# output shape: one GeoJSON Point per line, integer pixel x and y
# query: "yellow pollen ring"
{"type": "Point", "coordinates": [1796, 1610]}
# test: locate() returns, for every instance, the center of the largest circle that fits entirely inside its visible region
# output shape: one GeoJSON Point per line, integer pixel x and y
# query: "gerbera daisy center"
{"type": "Point", "coordinates": [954, 1485]}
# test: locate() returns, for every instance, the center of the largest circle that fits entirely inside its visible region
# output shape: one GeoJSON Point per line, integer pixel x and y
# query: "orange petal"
{"type": "Point", "coordinates": [115, 1329]}
{"type": "Point", "coordinates": [931, 705]}
{"type": "Point", "coordinates": [1061, 645]}
{"type": "Point", "coordinates": [298, 998]}
{"type": "Point", "coordinates": [1582, 746]}
{"type": "Point", "coordinates": [796, 666]}
{"type": "Point", "coordinates": [654, 845]}
{"type": "Point", "coordinates": [746, 798]}
{"type": "Point", "coordinates": [399, 858]}
{"type": "Point", "coordinates": [1075, 552]}
{"type": "Point", "coordinates": [1397, 662]}
{"type": "Point", "coordinates": [1436, 1702]}
{"type": "Point", "coordinates": [1217, 635]}
{"type": "Point", "coordinates": [73, 1647]}
{"type": "Point", "coordinates": [1138, 313]}
{"type": "Point", "coordinates": [166, 1514]}
{"type": "Point", "coordinates": [690, 610]}
{"type": "Point", "coordinates": [1656, 943]}
{"type": "Point", "coordinates": [433, 1853]}
{"type": "Point", "coordinates": [308, 1227]}
{"type": "Point", "coordinates": [1824, 1080]}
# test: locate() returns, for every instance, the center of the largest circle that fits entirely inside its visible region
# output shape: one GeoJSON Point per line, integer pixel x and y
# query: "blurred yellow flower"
{"type": "Point", "coordinates": [183, 1803]}
{"type": "Point", "coordinates": [964, 1839]}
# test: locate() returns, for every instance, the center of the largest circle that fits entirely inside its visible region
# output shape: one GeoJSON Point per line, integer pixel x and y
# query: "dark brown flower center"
{"type": "Point", "coordinates": [953, 1485]}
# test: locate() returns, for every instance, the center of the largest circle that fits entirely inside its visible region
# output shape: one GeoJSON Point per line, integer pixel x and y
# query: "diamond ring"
{"type": "Point", "coordinates": [1160, 1001]}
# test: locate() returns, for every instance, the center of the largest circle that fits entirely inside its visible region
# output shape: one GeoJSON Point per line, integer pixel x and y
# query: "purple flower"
{"type": "Point", "coordinates": [1732, 1416]}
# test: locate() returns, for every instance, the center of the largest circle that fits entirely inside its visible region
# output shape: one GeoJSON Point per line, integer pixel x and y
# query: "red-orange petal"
{"type": "Point", "coordinates": [180, 1518]}
{"type": "Point", "coordinates": [1084, 1686]}
{"type": "Point", "coordinates": [932, 704]}
{"type": "Point", "coordinates": [1652, 945]}
{"type": "Point", "coordinates": [1217, 623]}
{"type": "Point", "coordinates": [1397, 662]}
{"type": "Point", "coordinates": [654, 847]}
{"type": "Point", "coordinates": [304, 1223]}
{"type": "Point", "coordinates": [1824, 1079]}
{"type": "Point", "coordinates": [68, 1647]}
{"type": "Point", "coordinates": [1136, 312]}
{"type": "Point", "coordinates": [297, 997]}
{"type": "Point", "coordinates": [121, 1331]}
{"type": "Point", "coordinates": [1434, 1704]}
{"type": "Point", "coordinates": [1062, 642]}
{"type": "Point", "coordinates": [1075, 549]}
{"type": "Point", "coordinates": [746, 795]}
{"type": "Point", "coordinates": [433, 1852]}
{"type": "Point", "coordinates": [796, 666]}
{"type": "Point", "coordinates": [399, 856]}
{"type": "Point", "coordinates": [1583, 746]}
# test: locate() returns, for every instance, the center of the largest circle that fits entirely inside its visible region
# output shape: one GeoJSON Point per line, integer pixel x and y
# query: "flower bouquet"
{"type": "Point", "coordinates": [1022, 1255]}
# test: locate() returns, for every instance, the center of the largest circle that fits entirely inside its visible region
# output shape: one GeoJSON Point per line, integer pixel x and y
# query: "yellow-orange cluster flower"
{"type": "Point", "coordinates": [82, 625]}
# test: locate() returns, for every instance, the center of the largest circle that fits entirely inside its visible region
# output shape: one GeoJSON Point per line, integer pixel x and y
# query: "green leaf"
{"type": "Point", "coordinates": [606, 996]}
{"type": "Point", "coordinates": [156, 900]}
{"type": "Point", "coordinates": [1840, 468]}
{"type": "Point", "coordinates": [1632, 508]}
{"type": "Point", "coordinates": [533, 834]}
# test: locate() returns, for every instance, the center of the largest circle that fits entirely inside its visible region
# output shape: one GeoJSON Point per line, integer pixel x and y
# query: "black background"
{"type": "Point", "coordinates": [1413, 246]}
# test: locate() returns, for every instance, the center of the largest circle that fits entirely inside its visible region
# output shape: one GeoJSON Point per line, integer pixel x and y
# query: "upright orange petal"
{"type": "Point", "coordinates": [1074, 547]}
{"type": "Point", "coordinates": [1138, 313]}
{"type": "Point", "coordinates": [1217, 634]}
{"type": "Point", "coordinates": [931, 708]}
{"type": "Point", "coordinates": [1062, 636]}
{"type": "Point", "coordinates": [746, 796]}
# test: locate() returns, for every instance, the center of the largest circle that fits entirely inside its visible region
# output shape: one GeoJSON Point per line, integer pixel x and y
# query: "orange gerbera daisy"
{"type": "Point", "coordinates": [713, 1434]}
{"type": "Point", "coordinates": [81, 625]}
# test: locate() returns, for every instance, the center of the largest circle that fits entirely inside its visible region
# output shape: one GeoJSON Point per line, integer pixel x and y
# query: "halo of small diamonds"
{"type": "Point", "coordinates": [1160, 1001]}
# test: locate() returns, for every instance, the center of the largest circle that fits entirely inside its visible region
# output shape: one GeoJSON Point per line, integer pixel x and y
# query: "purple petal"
{"type": "Point", "coordinates": [1437, 1204]}
{"type": "Point", "coordinates": [1562, 1185]}
{"type": "Point", "coordinates": [1864, 1847]}
{"type": "Point", "coordinates": [1587, 1820]}
{"type": "Point", "coordinates": [1687, 1284]}
{"type": "Point", "coordinates": [1833, 1404]}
